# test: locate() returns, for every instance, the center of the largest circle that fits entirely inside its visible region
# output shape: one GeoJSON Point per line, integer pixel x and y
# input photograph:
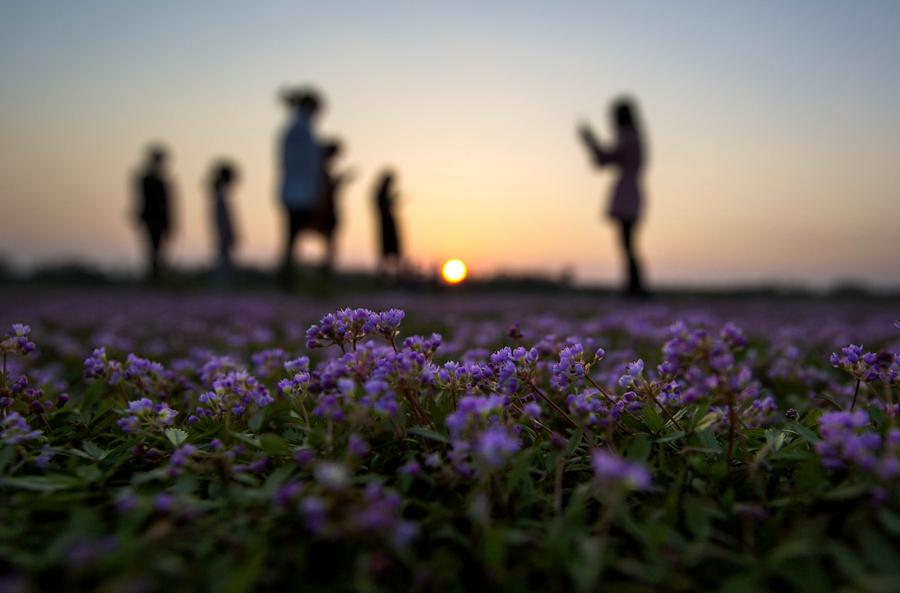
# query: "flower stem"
{"type": "Point", "coordinates": [855, 394]}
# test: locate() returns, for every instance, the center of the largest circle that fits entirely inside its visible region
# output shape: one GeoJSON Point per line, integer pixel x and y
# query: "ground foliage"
{"type": "Point", "coordinates": [254, 444]}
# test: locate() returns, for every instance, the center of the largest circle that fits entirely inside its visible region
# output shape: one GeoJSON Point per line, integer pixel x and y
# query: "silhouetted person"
{"type": "Point", "coordinates": [627, 154]}
{"type": "Point", "coordinates": [154, 209]}
{"type": "Point", "coordinates": [327, 215]}
{"type": "Point", "coordinates": [385, 199]}
{"type": "Point", "coordinates": [222, 180]}
{"type": "Point", "coordinates": [301, 173]}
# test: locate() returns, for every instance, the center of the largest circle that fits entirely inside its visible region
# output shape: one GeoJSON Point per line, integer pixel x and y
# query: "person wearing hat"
{"type": "Point", "coordinates": [301, 173]}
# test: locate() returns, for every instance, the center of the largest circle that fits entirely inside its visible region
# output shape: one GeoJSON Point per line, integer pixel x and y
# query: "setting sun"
{"type": "Point", "coordinates": [454, 271]}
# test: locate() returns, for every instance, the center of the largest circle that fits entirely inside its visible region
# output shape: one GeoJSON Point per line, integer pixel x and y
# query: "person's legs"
{"type": "Point", "coordinates": [223, 269]}
{"type": "Point", "coordinates": [330, 253]}
{"type": "Point", "coordinates": [635, 286]}
{"type": "Point", "coordinates": [293, 220]}
{"type": "Point", "coordinates": [154, 244]}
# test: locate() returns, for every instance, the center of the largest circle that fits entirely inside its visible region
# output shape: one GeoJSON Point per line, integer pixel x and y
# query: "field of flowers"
{"type": "Point", "coordinates": [443, 443]}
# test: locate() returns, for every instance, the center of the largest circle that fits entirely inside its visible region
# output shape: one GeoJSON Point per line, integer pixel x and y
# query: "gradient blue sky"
{"type": "Point", "coordinates": [773, 127]}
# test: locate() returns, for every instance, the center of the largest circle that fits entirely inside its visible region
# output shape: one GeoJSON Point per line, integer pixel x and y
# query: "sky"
{"type": "Point", "coordinates": [773, 130]}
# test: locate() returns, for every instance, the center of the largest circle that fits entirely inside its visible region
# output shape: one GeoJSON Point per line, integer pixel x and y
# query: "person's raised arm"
{"type": "Point", "coordinates": [596, 151]}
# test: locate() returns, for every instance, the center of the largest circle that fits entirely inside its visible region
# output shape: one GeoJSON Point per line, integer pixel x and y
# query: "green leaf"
{"type": "Point", "coordinates": [6, 455]}
{"type": "Point", "coordinates": [494, 548]}
{"type": "Point", "coordinates": [890, 521]}
{"type": "Point", "coordinates": [273, 444]}
{"type": "Point", "coordinates": [846, 491]}
{"type": "Point", "coordinates": [243, 578]}
{"type": "Point", "coordinates": [847, 561]}
{"type": "Point", "coordinates": [256, 420]}
{"type": "Point", "coordinates": [50, 483]}
{"type": "Point", "coordinates": [697, 519]}
{"type": "Point", "coordinates": [574, 441]}
{"type": "Point", "coordinates": [707, 421]}
{"type": "Point", "coordinates": [246, 438]}
{"type": "Point", "coordinates": [277, 478]}
{"type": "Point", "coordinates": [428, 434]}
{"type": "Point", "coordinates": [639, 448]}
{"type": "Point", "coordinates": [878, 551]}
{"type": "Point", "coordinates": [176, 436]}
{"type": "Point", "coordinates": [89, 473]}
{"type": "Point", "coordinates": [652, 418]}
{"type": "Point", "coordinates": [708, 439]}
{"type": "Point", "coordinates": [94, 451]}
{"type": "Point", "coordinates": [775, 438]}
{"type": "Point", "coordinates": [671, 437]}
{"type": "Point", "coordinates": [804, 432]}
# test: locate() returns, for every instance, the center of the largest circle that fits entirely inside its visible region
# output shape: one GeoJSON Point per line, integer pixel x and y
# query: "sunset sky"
{"type": "Point", "coordinates": [773, 128]}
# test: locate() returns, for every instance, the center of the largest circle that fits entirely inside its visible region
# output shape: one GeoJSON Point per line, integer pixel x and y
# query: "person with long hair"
{"type": "Point", "coordinates": [221, 182]}
{"type": "Point", "coordinates": [627, 155]}
{"type": "Point", "coordinates": [390, 263]}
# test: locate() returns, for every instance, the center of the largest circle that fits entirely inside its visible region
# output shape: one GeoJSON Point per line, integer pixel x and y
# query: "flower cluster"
{"type": "Point", "coordinates": [232, 395]}
{"type": "Point", "coordinates": [489, 438]}
{"type": "Point", "coordinates": [14, 430]}
{"type": "Point", "coordinates": [573, 365]}
{"type": "Point", "coordinates": [348, 327]}
{"type": "Point", "coordinates": [591, 407]}
{"type": "Point", "coordinates": [613, 472]}
{"type": "Point", "coordinates": [867, 366]}
{"type": "Point", "coordinates": [146, 377]}
{"type": "Point", "coordinates": [144, 414]}
{"type": "Point", "coordinates": [17, 341]}
{"type": "Point", "coordinates": [514, 367]}
{"type": "Point", "coordinates": [849, 440]}
{"type": "Point", "coordinates": [480, 433]}
{"type": "Point", "coordinates": [32, 398]}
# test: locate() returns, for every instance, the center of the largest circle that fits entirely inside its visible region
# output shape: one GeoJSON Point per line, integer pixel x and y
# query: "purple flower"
{"type": "Point", "coordinates": [143, 413]}
{"type": "Point", "coordinates": [233, 394]}
{"type": "Point", "coordinates": [410, 468]}
{"type": "Point", "coordinates": [404, 533]}
{"type": "Point", "coordinates": [44, 458]}
{"type": "Point", "coordinates": [180, 458]}
{"type": "Point", "coordinates": [733, 336]}
{"type": "Point", "coordinates": [495, 446]}
{"type": "Point", "coordinates": [473, 410]}
{"type": "Point", "coordinates": [303, 456]}
{"type": "Point", "coordinates": [357, 446]}
{"type": "Point", "coordinates": [140, 406]}
{"type": "Point", "coordinates": [287, 493]}
{"type": "Point", "coordinates": [15, 430]}
{"type": "Point", "coordinates": [633, 370]}
{"type": "Point", "coordinates": [846, 442]}
{"type": "Point", "coordinates": [570, 368]}
{"type": "Point", "coordinates": [268, 362]}
{"type": "Point", "coordinates": [610, 470]}
{"type": "Point", "coordinates": [315, 512]}
{"type": "Point", "coordinates": [126, 502]}
{"type": "Point", "coordinates": [163, 502]}
{"type": "Point", "coordinates": [345, 327]}
{"type": "Point", "coordinates": [386, 323]}
{"type": "Point", "coordinates": [16, 340]}
{"type": "Point", "coordinates": [95, 365]}
{"type": "Point", "coordinates": [532, 410]}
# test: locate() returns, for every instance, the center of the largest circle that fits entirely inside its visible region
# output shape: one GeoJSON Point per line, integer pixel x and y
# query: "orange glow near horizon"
{"type": "Point", "coordinates": [454, 271]}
